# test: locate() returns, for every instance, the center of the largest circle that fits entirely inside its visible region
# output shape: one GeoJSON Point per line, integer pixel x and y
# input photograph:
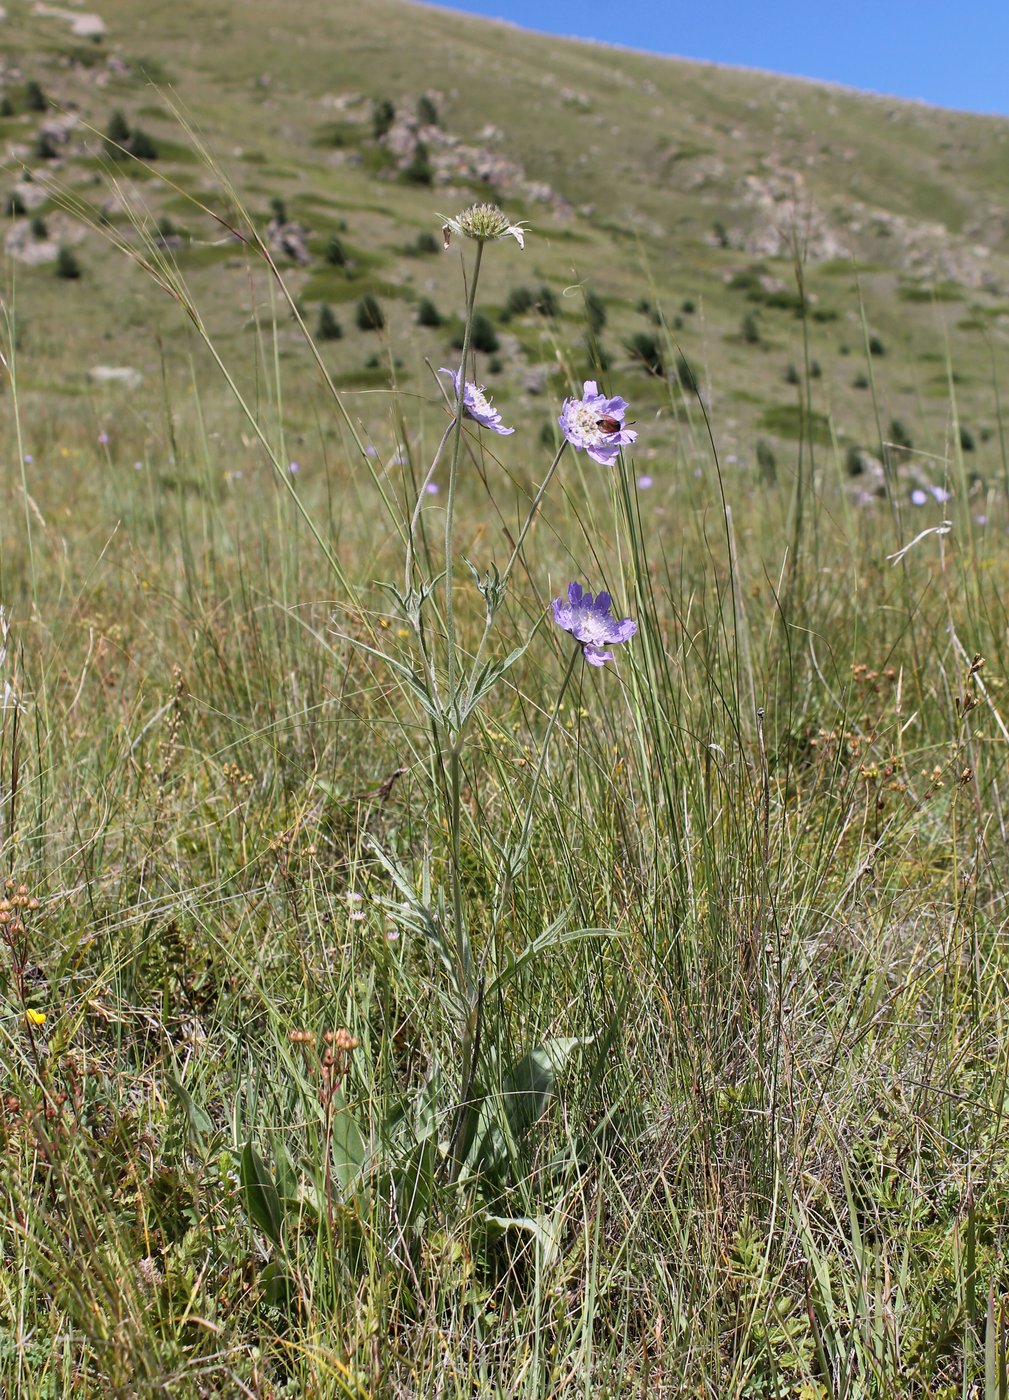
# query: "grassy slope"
{"type": "Point", "coordinates": [768, 845]}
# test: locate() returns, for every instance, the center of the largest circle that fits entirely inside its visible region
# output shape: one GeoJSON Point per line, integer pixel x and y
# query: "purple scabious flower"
{"type": "Point", "coordinates": [591, 623]}
{"type": "Point", "coordinates": [596, 424]}
{"type": "Point", "coordinates": [477, 406]}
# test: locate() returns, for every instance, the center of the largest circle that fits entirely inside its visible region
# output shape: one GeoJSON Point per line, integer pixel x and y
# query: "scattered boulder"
{"type": "Point", "coordinates": [116, 374]}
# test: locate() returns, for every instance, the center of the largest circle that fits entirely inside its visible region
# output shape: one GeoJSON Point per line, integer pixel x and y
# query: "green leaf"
{"type": "Point", "coordinates": [347, 1143]}
{"type": "Point", "coordinates": [261, 1198]}
{"type": "Point", "coordinates": [530, 1081]}
{"type": "Point", "coordinates": [199, 1122]}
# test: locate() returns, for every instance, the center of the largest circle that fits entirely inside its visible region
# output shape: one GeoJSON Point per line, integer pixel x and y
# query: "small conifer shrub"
{"type": "Point", "coordinates": [861, 381]}
{"type": "Point", "coordinates": [518, 302]}
{"type": "Point", "coordinates": [15, 205]}
{"type": "Point", "coordinates": [329, 327]}
{"type": "Point", "coordinates": [35, 98]}
{"type": "Point", "coordinates": [484, 336]}
{"type": "Point", "coordinates": [336, 254]}
{"type": "Point", "coordinates": [369, 314]}
{"type": "Point", "coordinates": [749, 329]}
{"type": "Point", "coordinates": [546, 302]}
{"type": "Point", "coordinates": [117, 136]}
{"type": "Point", "coordinates": [876, 346]}
{"type": "Point", "coordinates": [791, 375]}
{"type": "Point", "coordinates": [67, 265]}
{"type": "Point", "coordinates": [39, 227]}
{"type": "Point", "coordinates": [142, 146]}
{"type": "Point", "coordinates": [426, 243]}
{"type": "Point", "coordinates": [646, 350]}
{"type": "Point", "coordinates": [427, 112]}
{"type": "Point", "coordinates": [278, 210]}
{"type": "Point", "coordinates": [383, 114]}
{"type": "Point", "coordinates": [966, 439]}
{"type": "Point", "coordinates": [595, 311]}
{"type": "Point", "coordinates": [767, 463]}
{"type": "Point", "coordinates": [899, 435]}
{"type": "Point", "coordinates": [686, 374]}
{"type": "Point", "coordinates": [419, 171]}
{"type": "Point", "coordinates": [44, 147]}
{"type": "Point", "coordinates": [6, 106]}
{"type": "Point", "coordinates": [427, 313]}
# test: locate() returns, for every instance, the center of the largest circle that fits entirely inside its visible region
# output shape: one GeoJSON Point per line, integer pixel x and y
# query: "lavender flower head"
{"type": "Point", "coordinates": [596, 424]}
{"type": "Point", "coordinates": [591, 623]}
{"type": "Point", "coordinates": [477, 406]}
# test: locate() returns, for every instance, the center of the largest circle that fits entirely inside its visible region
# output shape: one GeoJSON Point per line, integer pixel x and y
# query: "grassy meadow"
{"type": "Point", "coordinates": [393, 1004]}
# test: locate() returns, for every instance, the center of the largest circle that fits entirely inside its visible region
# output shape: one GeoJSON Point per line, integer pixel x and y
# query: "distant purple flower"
{"type": "Point", "coordinates": [29, 459]}
{"type": "Point", "coordinates": [645, 482]}
{"type": "Point", "coordinates": [941, 494]}
{"type": "Point", "coordinates": [596, 424]}
{"type": "Point", "coordinates": [477, 405]}
{"type": "Point", "coordinates": [138, 466]}
{"type": "Point", "coordinates": [918, 496]}
{"type": "Point", "coordinates": [592, 623]}
{"type": "Point", "coordinates": [293, 468]}
{"type": "Point", "coordinates": [432, 488]}
{"type": "Point", "coordinates": [370, 451]}
{"type": "Point", "coordinates": [981, 520]}
{"type": "Point", "coordinates": [103, 438]}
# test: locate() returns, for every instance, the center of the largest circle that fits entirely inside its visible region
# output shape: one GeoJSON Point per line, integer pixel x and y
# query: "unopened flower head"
{"type": "Point", "coordinates": [482, 222]}
{"type": "Point", "coordinates": [477, 406]}
{"type": "Point", "coordinates": [596, 424]}
{"type": "Point", "coordinates": [592, 623]}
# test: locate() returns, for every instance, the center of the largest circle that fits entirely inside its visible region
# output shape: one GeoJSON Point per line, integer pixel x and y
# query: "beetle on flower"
{"type": "Point", "coordinates": [596, 424]}
{"type": "Point", "coordinates": [591, 622]}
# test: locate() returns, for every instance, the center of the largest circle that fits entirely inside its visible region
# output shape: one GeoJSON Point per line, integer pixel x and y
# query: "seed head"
{"type": "Point", "coordinates": [482, 222]}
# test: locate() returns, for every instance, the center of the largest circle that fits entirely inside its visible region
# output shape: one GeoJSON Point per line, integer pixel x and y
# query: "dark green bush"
{"type": "Point", "coordinates": [117, 136]}
{"type": "Point", "coordinates": [815, 372]}
{"type": "Point", "coordinates": [427, 112]}
{"type": "Point", "coordinates": [328, 327]}
{"type": "Point", "coordinates": [686, 375]}
{"type": "Point", "coordinates": [383, 114]}
{"type": "Point", "coordinates": [278, 209]}
{"type": "Point", "coordinates": [966, 439]}
{"type": "Point", "coordinates": [35, 98]}
{"type": "Point", "coordinates": [39, 227]}
{"type": "Point", "coordinates": [142, 146]}
{"type": "Point", "coordinates": [546, 303]}
{"type": "Point", "coordinates": [749, 329]}
{"type": "Point", "coordinates": [426, 243]}
{"type": "Point", "coordinates": [899, 435]}
{"type": "Point", "coordinates": [861, 381]}
{"type": "Point", "coordinates": [15, 206]}
{"type": "Point", "coordinates": [369, 314]}
{"type": "Point", "coordinates": [6, 106]}
{"type": "Point", "coordinates": [599, 358]}
{"type": "Point", "coordinates": [876, 346]}
{"type": "Point", "coordinates": [67, 265]}
{"type": "Point", "coordinates": [519, 301]}
{"type": "Point", "coordinates": [484, 336]}
{"type": "Point", "coordinates": [595, 311]}
{"type": "Point", "coordinates": [646, 350]}
{"type": "Point", "coordinates": [427, 313]}
{"type": "Point", "coordinates": [791, 375]}
{"type": "Point", "coordinates": [767, 463]}
{"type": "Point", "coordinates": [336, 254]}
{"type": "Point", "coordinates": [419, 171]}
{"type": "Point", "coordinates": [494, 365]}
{"type": "Point", "coordinates": [687, 306]}
{"type": "Point", "coordinates": [44, 148]}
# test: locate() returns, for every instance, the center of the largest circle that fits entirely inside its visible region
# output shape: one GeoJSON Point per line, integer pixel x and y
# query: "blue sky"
{"type": "Point", "coordinates": [952, 54]}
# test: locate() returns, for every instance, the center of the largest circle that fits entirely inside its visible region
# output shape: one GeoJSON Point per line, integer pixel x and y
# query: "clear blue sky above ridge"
{"type": "Point", "coordinates": [953, 55]}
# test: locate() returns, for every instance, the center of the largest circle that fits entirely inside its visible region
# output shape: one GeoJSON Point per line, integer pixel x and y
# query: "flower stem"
{"type": "Point", "coordinates": [453, 473]}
